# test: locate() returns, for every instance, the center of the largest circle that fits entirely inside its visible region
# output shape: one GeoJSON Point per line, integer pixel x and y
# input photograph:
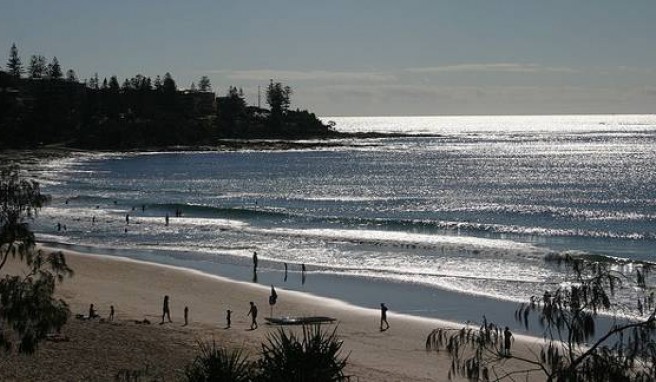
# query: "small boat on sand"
{"type": "Point", "coordinates": [299, 320]}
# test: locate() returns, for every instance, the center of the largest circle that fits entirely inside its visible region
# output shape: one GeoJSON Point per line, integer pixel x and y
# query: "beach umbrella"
{"type": "Point", "coordinates": [273, 298]}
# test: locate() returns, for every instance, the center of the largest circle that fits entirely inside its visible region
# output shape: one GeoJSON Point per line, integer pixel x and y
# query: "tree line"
{"type": "Point", "coordinates": [40, 105]}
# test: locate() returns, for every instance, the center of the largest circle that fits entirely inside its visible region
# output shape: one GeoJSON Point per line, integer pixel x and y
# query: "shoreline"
{"type": "Point", "coordinates": [428, 302]}
{"type": "Point", "coordinates": [136, 288]}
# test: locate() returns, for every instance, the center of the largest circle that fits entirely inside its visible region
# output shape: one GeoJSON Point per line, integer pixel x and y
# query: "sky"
{"type": "Point", "coordinates": [364, 57]}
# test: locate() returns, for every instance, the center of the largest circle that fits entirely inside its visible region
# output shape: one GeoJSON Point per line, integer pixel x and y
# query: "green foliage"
{"type": "Point", "coordinates": [314, 357]}
{"type": "Point", "coordinates": [215, 363]}
{"type": "Point", "coordinates": [27, 306]}
{"type": "Point", "coordinates": [573, 351]}
{"type": "Point", "coordinates": [285, 358]}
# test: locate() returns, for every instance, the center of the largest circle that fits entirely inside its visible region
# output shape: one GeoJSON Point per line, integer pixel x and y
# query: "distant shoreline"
{"type": "Point", "coordinates": [273, 144]}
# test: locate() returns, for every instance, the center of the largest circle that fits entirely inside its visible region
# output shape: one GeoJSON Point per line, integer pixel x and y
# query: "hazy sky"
{"type": "Point", "coordinates": [373, 57]}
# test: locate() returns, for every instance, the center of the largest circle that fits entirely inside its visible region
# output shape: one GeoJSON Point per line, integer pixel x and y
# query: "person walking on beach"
{"type": "Point", "coordinates": [127, 218]}
{"type": "Point", "coordinates": [383, 317]}
{"type": "Point", "coordinates": [166, 312]}
{"type": "Point", "coordinates": [228, 313]}
{"type": "Point", "coordinates": [254, 261]}
{"type": "Point", "coordinates": [507, 337]}
{"type": "Point", "coordinates": [166, 219]}
{"type": "Point", "coordinates": [253, 313]}
{"type": "Point", "coordinates": [186, 316]}
{"type": "Point", "coordinates": [111, 313]}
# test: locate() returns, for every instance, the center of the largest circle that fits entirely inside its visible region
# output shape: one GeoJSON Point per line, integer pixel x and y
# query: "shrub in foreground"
{"type": "Point", "coordinates": [215, 363]}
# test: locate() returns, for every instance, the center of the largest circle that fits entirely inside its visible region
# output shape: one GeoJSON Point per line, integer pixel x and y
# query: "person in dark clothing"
{"type": "Point", "coordinates": [383, 317]}
{"type": "Point", "coordinates": [111, 313]}
{"type": "Point", "coordinates": [253, 313]}
{"type": "Point", "coordinates": [166, 312]}
{"type": "Point", "coordinates": [228, 313]}
{"type": "Point", "coordinates": [507, 337]}
{"type": "Point", "coordinates": [186, 316]}
{"type": "Point", "coordinates": [92, 312]}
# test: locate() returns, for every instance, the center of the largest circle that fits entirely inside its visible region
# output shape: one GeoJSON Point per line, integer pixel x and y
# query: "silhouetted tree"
{"type": "Point", "coordinates": [71, 76]}
{"type": "Point", "coordinates": [14, 65]}
{"type": "Point", "coordinates": [278, 100]}
{"type": "Point", "coordinates": [168, 85]}
{"type": "Point", "coordinates": [204, 84]}
{"type": "Point", "coordinates": [193, 87]}
{"type": "Point", "coordinates": [158, 83]}
{"type": "Point", "coordinates": [27, 306]}
{"type": "Point", "coordinates": [113, 85]}
{"type": "Point", "coordinates": [53, 70]}
{"type": "Point", "coordinates": [37, 67]}
{"type": "Point", "coordinates": [571, 352]}
{"type": "Point", "coordinates": [94, 82]}
{"type": "Point", "coordinates": [278, 97]}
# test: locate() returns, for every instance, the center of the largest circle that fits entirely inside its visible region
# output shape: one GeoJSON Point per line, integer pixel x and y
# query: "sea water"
{"type": "Point", "coordinates": [447, 225]}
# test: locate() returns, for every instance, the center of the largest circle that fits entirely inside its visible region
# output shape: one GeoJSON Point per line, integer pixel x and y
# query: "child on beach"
{"type": "Point", "coordinates": [507, 336]}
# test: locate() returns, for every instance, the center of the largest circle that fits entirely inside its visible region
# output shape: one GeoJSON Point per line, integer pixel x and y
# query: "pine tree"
{"type": "Point", "coordinates": [204, 84]}
{"type": "Point", "coordinates": [54, 70]}
{"type": "Point", "coordinates": [14, 64]}
{"type": "Point", "coordinates": [37, 67]}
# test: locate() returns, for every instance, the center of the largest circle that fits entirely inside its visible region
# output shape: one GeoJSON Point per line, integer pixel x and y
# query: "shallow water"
{"type": "Point", "coordinates": [477, 210]}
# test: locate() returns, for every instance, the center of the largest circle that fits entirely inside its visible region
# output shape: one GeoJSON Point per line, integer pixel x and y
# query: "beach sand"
{"type": "Point", "coordinates": [100, 350]}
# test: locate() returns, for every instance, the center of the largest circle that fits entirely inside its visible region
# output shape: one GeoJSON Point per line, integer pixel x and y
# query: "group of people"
{"type": "Point", "coordinates": [256, 261]}
{"type": "Point", "coordinates": [93, 314]}
{"type": "Point", "coordinates": [166, 314]}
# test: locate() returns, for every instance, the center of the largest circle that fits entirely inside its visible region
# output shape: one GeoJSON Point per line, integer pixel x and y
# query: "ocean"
{"type": "Point", "coordinates": [461, 224]}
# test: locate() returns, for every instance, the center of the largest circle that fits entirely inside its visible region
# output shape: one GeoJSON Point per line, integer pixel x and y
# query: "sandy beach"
{"type": "Point", "coordinates": [101, 350]}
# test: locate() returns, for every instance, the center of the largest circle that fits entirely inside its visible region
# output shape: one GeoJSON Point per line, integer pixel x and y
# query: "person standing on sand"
{"type": "Point", "coordinates": [186, 316]}
{"type": "Point", "coordinates": [383, 317]}
{"type": "Point", "coordinates": [166, 312]}
{"type": "Point", "coordinates": [228, 313]}
{"type": "Point", "coordinates": [92, 312]}
{"type": "Point", "coordinates": [111, 313]}
{"type": "Point", "coordinates": [507, 337]}
{"type": "Point", "coordinates": [166, 219]}
{"type": "Point", "coordinates": [253, 313]}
